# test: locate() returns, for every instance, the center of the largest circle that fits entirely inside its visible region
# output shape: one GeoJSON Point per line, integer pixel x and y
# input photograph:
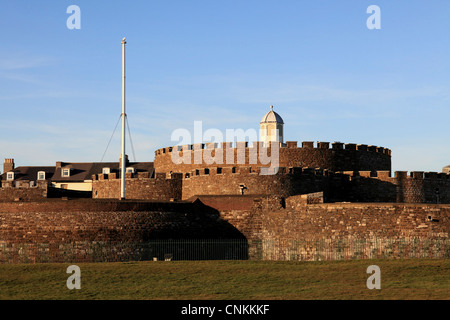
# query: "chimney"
{"type": "Point", "coordinates": [8, 165]}
{"type": "Point", "coordinates": [126, 161]}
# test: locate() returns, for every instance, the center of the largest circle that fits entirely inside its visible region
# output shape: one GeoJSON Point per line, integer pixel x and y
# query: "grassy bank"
{"type": "Point", "coordinates": [211, 280]}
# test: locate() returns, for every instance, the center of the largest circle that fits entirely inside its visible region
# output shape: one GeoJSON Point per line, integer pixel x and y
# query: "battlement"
{"type": "Point", "coordinates": [287, 145]}
{"type": "Point", "coordinates": [137, 176]}
{"type": "Point", "coordinates": [158, 187]}
{"type": "Point", "coordinates": [336, 156]}
{"type": "Point", "coordinates": [384, 175]}
{"type": "Point", "coordinates": [250, 170]}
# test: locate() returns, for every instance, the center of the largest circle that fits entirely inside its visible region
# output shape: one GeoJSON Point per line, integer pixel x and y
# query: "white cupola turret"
{"type": "Point", "coordinates": [271, 128]}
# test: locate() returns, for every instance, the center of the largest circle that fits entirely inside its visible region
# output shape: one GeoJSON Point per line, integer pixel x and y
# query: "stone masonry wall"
{"type": "Point", "coordinates": [350, 220]}
{"type": "Point", "coordinates": [247, 181]}
{"type": "Point", "coordinates": [22, 191]}
{"type": "Point", "coordinates": [138, 187]}
{"type": "Point", "coordinates": [417, 187]}
{"type": "Point", "coordinates": [91, 230]}
{"type": "Point", "coordinates": [108, 230]}
{"type": "Point", "coordinates": [340, 157]}
{"type": "Point", "coordinates": [353, 186]}
{"type": "Point", "coordinates": [303, 217]}
{"type": "Point", "coordinates": [294, 229]}
{"type": "Point", "coordinates": [346, 186]}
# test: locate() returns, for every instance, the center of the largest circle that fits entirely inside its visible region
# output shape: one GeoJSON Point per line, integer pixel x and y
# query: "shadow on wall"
{"type": "Point", "coordinates": [136, 231]}
{"type": "Point", "coordinates": [60, 193]}
{"type": "Point", "coordinates": [362, 189]}
{"type": "Point", "coordinates": [395, 190]}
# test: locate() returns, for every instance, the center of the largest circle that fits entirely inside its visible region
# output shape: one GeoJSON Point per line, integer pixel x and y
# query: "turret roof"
{"type": "Point", "coordinates": [272, 116]}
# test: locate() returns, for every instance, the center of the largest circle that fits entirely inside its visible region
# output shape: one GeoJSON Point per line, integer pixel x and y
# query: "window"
{"type": "Point", "coordinates": [41, 175]}
{"type": "Point", "coordinates": [106, 171]}
{"type": "Point", "coordinates": [130, 170]}
{"type": "Point", "coordinates": [10, 176]}
{"type": "Point", "coordinates": [65, 173]}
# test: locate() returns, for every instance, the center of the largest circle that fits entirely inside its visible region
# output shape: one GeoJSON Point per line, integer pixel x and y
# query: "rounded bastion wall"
{"type": "Point", "coordinates": [247, 181]}
{"type": "Point", "coordinates": [337, 157]}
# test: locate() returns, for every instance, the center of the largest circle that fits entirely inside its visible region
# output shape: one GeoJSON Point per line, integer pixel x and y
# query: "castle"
{"type": "Point", "coordinates": [320, 191]}
{"type": "Point", "coordinates": [343, 172]}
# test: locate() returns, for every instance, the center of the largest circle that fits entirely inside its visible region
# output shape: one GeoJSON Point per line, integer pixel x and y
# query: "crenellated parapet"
{"type": "Point", "coordinates": [399, 175]}
{"type": "Point", "coordinates": [137, 176]}
{"type": "Point", "coordinates": [23, 190]}
{"type": "Point", "coordinates": [248, 180]}
{"type": "Point", "coordinates": [349, 186]}
{"type": "Point", "coordinates": [402, 186]}
{"type": "Point", "coordinates": [245, 171]}
{"type": "Point", "coordinates": [336, 156]}
{"type": "Point", "coordinates": [289, 145]}
{"type": "Point", "coordinates": [141, 185]}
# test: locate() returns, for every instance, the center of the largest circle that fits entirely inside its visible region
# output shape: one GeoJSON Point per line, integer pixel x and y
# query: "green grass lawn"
{"type": "Point", "coordinates": [224, 280]}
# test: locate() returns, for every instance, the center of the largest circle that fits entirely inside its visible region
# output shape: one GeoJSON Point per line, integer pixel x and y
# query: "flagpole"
{"type": "Point", "coordinates": [123, 156]}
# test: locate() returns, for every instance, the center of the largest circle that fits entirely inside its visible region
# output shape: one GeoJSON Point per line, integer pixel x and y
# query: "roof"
{"type": "Point", "coordinates": [79, 171]}
{"type": "Point", "coordinates": [30, 173]}
{"type": "Point", "coordinates": [82, 171]}
{"type": "Point", "coordinates": [272, 116]}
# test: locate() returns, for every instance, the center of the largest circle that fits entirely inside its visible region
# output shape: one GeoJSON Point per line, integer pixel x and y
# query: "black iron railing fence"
{"type": "Point", "coordinates": [225, 249]}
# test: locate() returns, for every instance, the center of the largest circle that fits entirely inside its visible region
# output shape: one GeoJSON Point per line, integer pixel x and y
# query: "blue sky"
{"type": "Point", "coordinates": [224, 63]}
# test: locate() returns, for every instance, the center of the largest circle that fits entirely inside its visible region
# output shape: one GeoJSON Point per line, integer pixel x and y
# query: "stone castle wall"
{"type": "Point", "coordinates": [139, 186]}
{"type": "Point", "coordinates": [250, 181]}
{"type": "Point", "coordinates": [415, 187]}
{"type": "Point", "coordinates": [340, 157]}
{"type": "Point", "coordinates": [349, 186]}
{"type": "Point", "coordinates": [303, 228]}
{"type": "Point", "coordinates": [354, 231]}
{"type": "Point", "coordinates": [21, 190]}
{"type": "Point", "coordinates": [351, 220]}
{"type": "Point", "coordinates": [96, 230]}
